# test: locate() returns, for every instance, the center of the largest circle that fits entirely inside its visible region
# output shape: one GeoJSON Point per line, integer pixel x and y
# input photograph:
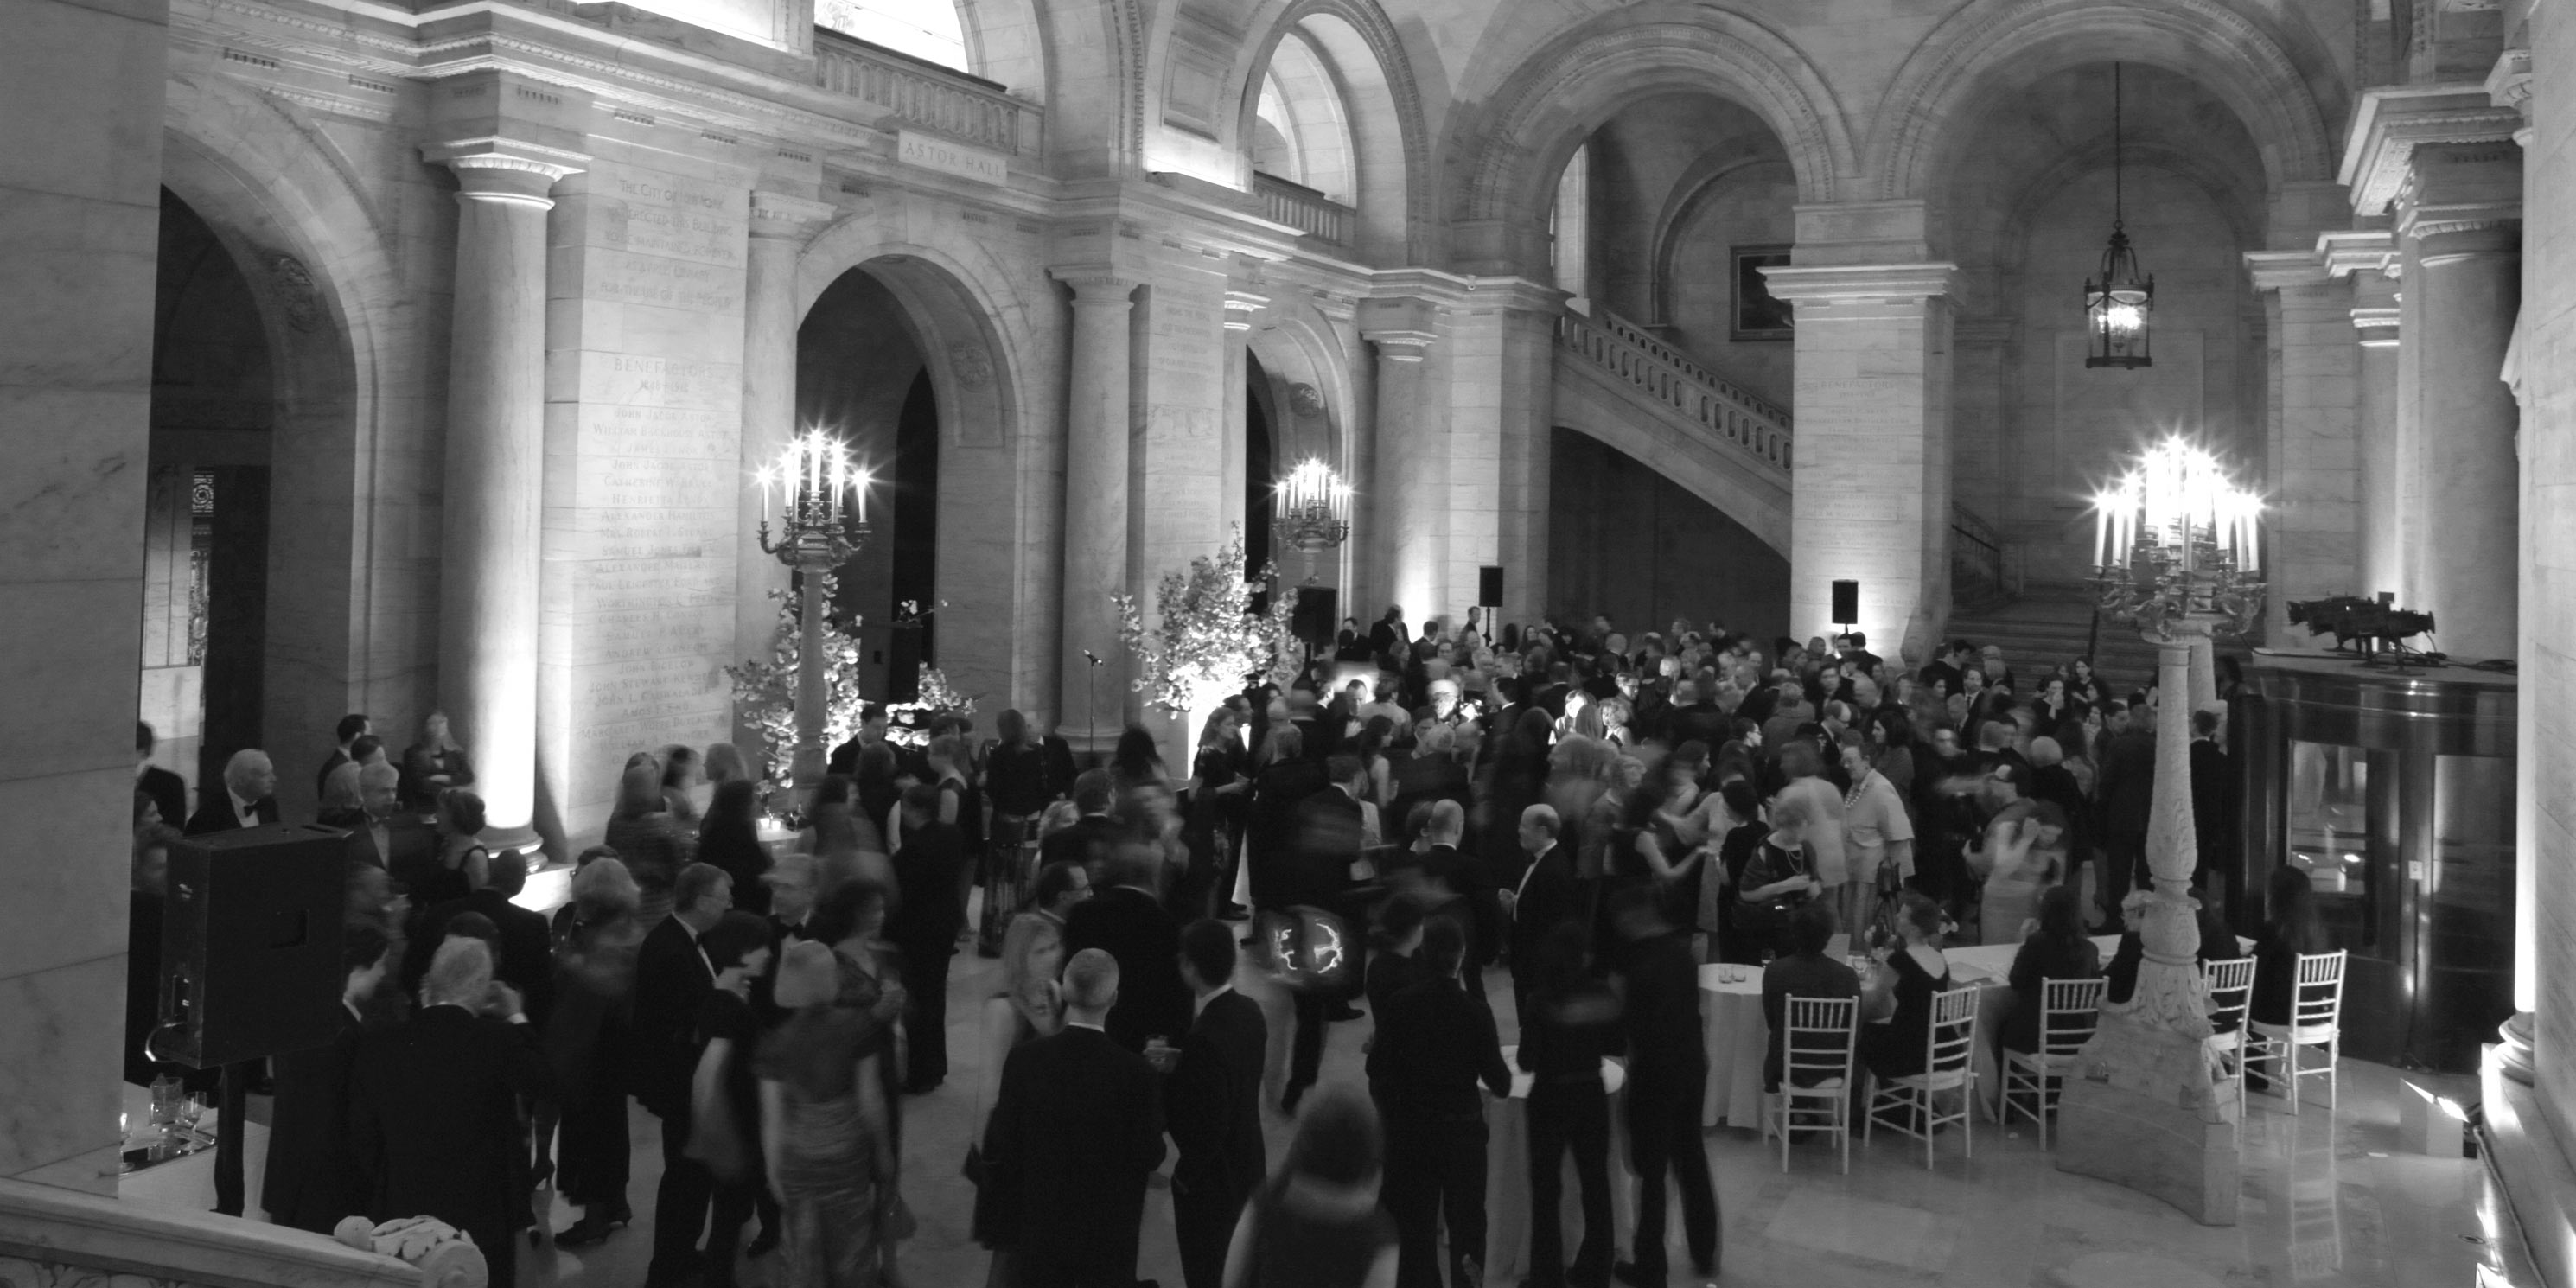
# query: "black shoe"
{"type": "Point", "coordinates": [1628, 1273]}
{"type": "Point", "coordinates": [1705, 1269]}
{"type": "Point", "coordinates": [592, 1228]}
{"type": "Point", "coordinates": [762, 1245]}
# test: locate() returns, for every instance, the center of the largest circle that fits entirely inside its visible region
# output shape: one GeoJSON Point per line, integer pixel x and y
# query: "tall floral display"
{"type": "Point", "coordinates": [765, 692]}
{"type": "Point", "coordinates": [1206, 641]}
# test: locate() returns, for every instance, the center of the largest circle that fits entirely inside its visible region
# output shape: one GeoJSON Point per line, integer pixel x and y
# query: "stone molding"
{"type": "Point", "coordinates": [2344, 252]}
{"type": "Point", "coordinates": [1099, 288]}
{"type": "Point", "coordinates": [1239, 308]}
{"type": "Point", "coordinates": [2379, 328]}
{"type": "Point", "coordinates": [1401, 346]}
{"type": "Point", "coordinates": [510, 171]}
{"type": "Point", "coordinates": [2274, 270]}
{"type": "Point", "coordinates": [2509, 86]}
{"type": "Point", "coordinates": [79, 1239]}
{"type": "Point", "coordinates": [1850, 283]}
{"type": "Point", "coordinates": [775, 214]}
{"type": "Point", "coordinates": [2392, 121]}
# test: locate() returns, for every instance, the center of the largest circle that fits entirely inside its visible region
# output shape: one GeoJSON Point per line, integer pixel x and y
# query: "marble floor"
{"type": "Point", "coordinates": [2328, 1200]}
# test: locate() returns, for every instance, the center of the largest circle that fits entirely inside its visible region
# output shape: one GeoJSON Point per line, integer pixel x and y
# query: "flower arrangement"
{"type": "Point", "coordinates": [765, 692]}
{"type": "Point", "coordinates": [1206, 641]}
{"type": "Point", "coordinates": [908, 723]}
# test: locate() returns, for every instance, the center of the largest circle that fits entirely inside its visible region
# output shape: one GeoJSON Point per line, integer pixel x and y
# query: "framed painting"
{"type": "Point", "coordinates": [1758, 314]}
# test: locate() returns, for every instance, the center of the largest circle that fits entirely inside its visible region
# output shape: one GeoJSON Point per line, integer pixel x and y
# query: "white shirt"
{"type": "Point", "coordinates": [1874, 818]}
{"type": "Point", "coordinates": [246, 811]}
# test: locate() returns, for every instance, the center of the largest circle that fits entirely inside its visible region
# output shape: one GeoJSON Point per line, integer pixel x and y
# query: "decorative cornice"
{"type": "Point", "coordinates": [1845, 283]}
{"type": "Point", "coordinates": [2392, 121]}
{"type": "Point", "coordinates": [2343, 252]}
{"type": "Point", "coordinates": [2273, 270]}
{"type": "Point", "coordinates": [511, 171]}
{"type": "Point", "coordinates": [2376, 319]}
{"type": "Point", "coordinates": [1098, 285]}
{"type": "Point", "coordinates": [1239, 308]}
{"type": "Point", "coordinates": [775, 214]}
{"type": "Point", "coordinates": [2509, 84]}
{"type": "Point", "coordinates": [1400, 346]}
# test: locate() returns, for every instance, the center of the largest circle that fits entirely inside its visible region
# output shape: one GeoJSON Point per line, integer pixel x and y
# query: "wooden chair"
{"type": "Point", "coordinates": [2231, 993]}
{"type": "Point", "coordinates": [2316, 1014]}
{"type": "Point", "coordinates": [2069, 1011]}
{"type": "Point", "coordinates": [1949, 1064]}
{"type": "Point", "coordinates": [1816, 1039]}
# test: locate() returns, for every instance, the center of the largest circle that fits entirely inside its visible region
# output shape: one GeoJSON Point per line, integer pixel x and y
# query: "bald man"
{"type": "Point", "coordinates": [248, 797]}
{"type": "Point", "coordinates": [1076, 1128]}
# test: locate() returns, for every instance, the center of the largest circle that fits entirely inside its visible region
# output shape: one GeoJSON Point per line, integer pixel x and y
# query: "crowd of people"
{"type": "Point", "coordinates": [1584, 815]}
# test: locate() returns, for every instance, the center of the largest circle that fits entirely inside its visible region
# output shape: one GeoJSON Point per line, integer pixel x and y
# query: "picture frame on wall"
{"type": "Point", "coordinates": [1757, 314]}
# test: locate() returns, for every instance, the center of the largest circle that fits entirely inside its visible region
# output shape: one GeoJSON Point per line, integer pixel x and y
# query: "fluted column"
{"type": "Point", "coordinates": [2463, 285]}
{"type": "Point", "coordinates": [780, 227]}
{"type": "Point", "coordinates": [1094, 696]}
{"type": "Point", "coordinates": [495, 468]}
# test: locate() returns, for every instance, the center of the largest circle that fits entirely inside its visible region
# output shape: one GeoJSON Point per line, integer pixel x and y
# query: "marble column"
{"type": "Point", "coordinates": [2375, 324]}
{"type": "Point", "coordinates": [2463, 286]}
{"type": "Point", "coordinates": [1870, 498]}
{"type": "Point", "coordinates": [1241, 307]}
{"type": "Point", "coordinates": [1408, 499]}
{"type": "Point", "coordinates": [1500, 371]}
{"type": "Point", "coordinates": [491, 552]}
{"type": "Point", "coordinates": [1090, 709]}
{"type": "Point", "coordinates": [2310, 528]}
{"type": "Point", "coordinates": [780, 227]}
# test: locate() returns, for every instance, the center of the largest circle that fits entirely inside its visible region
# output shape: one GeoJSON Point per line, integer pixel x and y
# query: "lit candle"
{"type": "Point", "coordinates": [863, 496]}
{"type": "Point", "coordinates": [761, 476]}
{"type": "Point", "coordinates": [840, 480]}
{"type": "Point", "coordinates": [813, 466]}
{"type": "Point", "coordinates": [2101, 527]}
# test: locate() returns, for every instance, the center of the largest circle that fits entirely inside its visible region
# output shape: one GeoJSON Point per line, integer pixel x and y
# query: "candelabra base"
{"type": "Point", "coordinates": [2143, 1112]}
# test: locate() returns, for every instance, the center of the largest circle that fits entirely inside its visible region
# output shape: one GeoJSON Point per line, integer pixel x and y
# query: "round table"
{"type": "Point", "coordinates": [1735, 1034]}
{"type": "Point", "coordinates": [1507, 1194]}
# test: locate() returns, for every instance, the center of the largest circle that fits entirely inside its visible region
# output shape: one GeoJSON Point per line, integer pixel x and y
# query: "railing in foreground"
{"type": "Point", "coordinates": [1975, 548]}
{"type": "Point", "coordinates": [1304, 209]}
{"type": "Point", "coordinates": [918, 93]}
{"type": "Point", "coordinates": [1663, 373]}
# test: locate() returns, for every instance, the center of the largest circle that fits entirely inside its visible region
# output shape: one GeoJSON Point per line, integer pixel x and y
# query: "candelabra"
{"type": "Point", "coordinates": [1312, 511]}
{"type": "Point", "coordinates": [825, 521]}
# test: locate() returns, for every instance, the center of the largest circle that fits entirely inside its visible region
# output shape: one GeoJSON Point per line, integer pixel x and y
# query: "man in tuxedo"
{"type": "Point", "coordinates": [310, 1183]}
{"type": "Point", "coordinates": [434, 1106]}
{"type": "Point", "coordinates": [672, 979]}
{"type": "Point", "coordinates": [526, 960]}
{"type": "Point", "coordinates": [167, 791]}
{"type": "Point", "coordinates": [1212, 1103]}
{"type": "Point", "coordinates": [1092, 836]}
{"type": "Point", "coordinates": [405, 847]}
{"type": "Point", "coordinates": [1126, 920]}
{"type": "Point", "coordinates": [1315, 858]}
{"type": "Point", "coordinates": [1438, 1046]}
{"type": "Point", "coordinates": [872, 732]}
{"type": "Point", "coordinates": [929, 875]}
{"type": "Point", "coordinates": [1667, 1072]}
{"type": "Point", "coordinates": [1694, 718]}
{"type": "Point", "coordinates": [248, 798]}
{"type": "Point", "coordinates": [1545, 898]}
{"type": "Point", "coordinates": [1076, 1128]}
{"type": "Point", "coordinates": [352, 726]}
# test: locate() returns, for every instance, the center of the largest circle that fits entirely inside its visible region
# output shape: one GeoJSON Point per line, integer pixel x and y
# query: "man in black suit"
{"type": "Point", "coordinates": [2213, 794]}
{"type": "Point", "coordinates": [352, 726]}
{"type": "Point", "coordinates": [1126, 919]}
{"type": "Point", "coordinates": [1438, 1045]}
{"type": "Point", "coordinates": [1212, 1103]}
{"type": "Point", "coordinates": [248, 797]}
{"type": "Point", "coordinates": [1077, 1126]}
{"type": "Point", "coordinates": [434, 1107]}
{"type": "Point", "coordinates": [1667, 1071]}
{"type": "Point", "coordinates": [526, 958]}
{"type": "Point", "coordinates": [872, 731]}
{"type": "Point", "coordinates": [929, 874]}
{"type": "Point", "coordinates": [1092, 836]}
{"type": "Point", "coordinates": [2124, 796]}
{"type": "Point", "coordinates": [311, 1181]}
{"type": "Point", "coordinates": [167, 791]}
{"type": "Point", "coordinates": [405, 847]}
{"type": "Point", "coordinates": [1314, 861]}
{"type": "Point", "coordinates": [672, 979]}
{"type": "Point", "coordinates": [1545, 898]}
{"type": "Point", "coordinates": [1694, 718]}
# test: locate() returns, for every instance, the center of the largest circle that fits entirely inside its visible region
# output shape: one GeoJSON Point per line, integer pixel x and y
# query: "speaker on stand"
{"type": "Point", "coordinates": [1846, 604]}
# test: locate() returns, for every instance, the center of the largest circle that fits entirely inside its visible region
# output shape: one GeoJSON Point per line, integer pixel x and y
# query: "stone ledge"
{"type": "Point", "coordinates": [68, 1228]}
{"type": "Point", "coordinates": [2533, 1170]}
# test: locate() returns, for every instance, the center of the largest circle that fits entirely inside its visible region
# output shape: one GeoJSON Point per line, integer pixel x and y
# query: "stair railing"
{"type": "Point", "coordinates": [1731, 413]}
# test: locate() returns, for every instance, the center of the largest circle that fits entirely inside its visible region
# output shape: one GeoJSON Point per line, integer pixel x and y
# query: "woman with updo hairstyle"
{"type": "Point", "coordinates": [1318, 1219]}
{"type": "Point", "coordinates": [1902, 989]}
{"type": "Point", "coordinates": [654, 845]}
{"type": "Point", "coordinates": [597, 937]}
{"type": "Point", "coordinates": [462, 860]}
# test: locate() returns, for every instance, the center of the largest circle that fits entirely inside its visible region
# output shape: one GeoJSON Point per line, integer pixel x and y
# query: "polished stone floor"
{"type": "Point", "coordinates": [2328, 1200]}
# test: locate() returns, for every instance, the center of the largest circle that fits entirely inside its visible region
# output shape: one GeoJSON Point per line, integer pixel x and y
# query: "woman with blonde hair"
{"type": "Point", "coordinates": [640, 828]}
{"type": "Point", "coordinates": [597, 938]}
{"type": "Point", "coordinates": [826, 1135]}
{"type": "Point", "coordinates": [433, 764]}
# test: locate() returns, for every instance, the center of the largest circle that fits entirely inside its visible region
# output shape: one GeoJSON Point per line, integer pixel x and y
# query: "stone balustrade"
{"type": "Point", "coordinates": [1304, 209]}
{"type": "Point", "coordinates": [937, 98]}
{"type": "Point", "coordinates": [71, 1239]}
{"type": "Point", "coordinates": [1730, 413]}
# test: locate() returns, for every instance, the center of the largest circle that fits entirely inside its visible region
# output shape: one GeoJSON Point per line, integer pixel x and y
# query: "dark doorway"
{"type": "Point", "coordinates": [1625, 540]}
{"type": "Point", "coordinates": [1260, 465]}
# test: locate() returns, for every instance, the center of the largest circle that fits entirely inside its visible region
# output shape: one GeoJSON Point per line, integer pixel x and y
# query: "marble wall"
{"type": "Point", "coordinates": [80, 93]}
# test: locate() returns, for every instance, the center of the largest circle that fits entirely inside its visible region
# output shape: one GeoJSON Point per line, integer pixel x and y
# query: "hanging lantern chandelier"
{"type": "Point", "coordinates": [2117, 303]}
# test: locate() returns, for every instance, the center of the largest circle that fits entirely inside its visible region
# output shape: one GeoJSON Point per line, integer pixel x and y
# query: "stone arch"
{"type": "Point", "coordinates": [285, 203]}
{"type": "Point", "coordinates": [1934, 94]}
{"type": "Point", "coordinates": [1684, 205]}
{"type": "Point", "coordinates": [1384, 105]}
{"type": "Point", "coordinates": [1005, 42]}
{"type": "Point", "coordinates": [2244, 218]}
{"type": "Point", "coordinates": [974, 332]}
{"type": "Point", "coordinates": [1548, 106]}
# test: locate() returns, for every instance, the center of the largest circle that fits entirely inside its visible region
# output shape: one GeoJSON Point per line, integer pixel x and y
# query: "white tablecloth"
{"type": "Point", "coordinates": [1507, 1193]}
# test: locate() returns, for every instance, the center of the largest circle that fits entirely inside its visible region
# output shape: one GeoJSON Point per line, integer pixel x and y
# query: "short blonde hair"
{"type": "Point", "coordinates": [460, 973]}
{"type": "Point", "coordinates": [808, 975]}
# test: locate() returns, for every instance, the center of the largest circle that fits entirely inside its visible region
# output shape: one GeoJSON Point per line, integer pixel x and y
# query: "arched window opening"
{"type": "Point", "coordinates": [1569, 227]}
{"type": "Point", "coordinates": [926, 29]}
{"type": "Point", "coordinates": [1302, 129]}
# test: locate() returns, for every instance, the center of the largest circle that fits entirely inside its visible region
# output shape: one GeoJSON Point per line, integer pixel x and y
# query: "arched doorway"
{"type": "Point", "coordinates": [861, 375]}
{"type": "Point", "coordinates": [205, 596]}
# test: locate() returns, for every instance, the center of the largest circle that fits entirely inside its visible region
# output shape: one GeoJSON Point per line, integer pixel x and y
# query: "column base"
{"type": "Point", "coordinates": [2513, 1052]}
{"type": "Point", "coordinates": [523, 838]}
{"type": "Point", "coordinates": [2143, 1113]}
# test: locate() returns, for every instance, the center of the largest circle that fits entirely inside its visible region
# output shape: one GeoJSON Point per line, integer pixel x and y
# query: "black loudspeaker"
{"type": "Point", "coordinates": [1317, 612]}
{"type": "Point", "coordinates": [1846, 602]}
{"type": "Point", "coordinates": [1489, 586]}
{"type": "Point", "coordinates": [250, 944]}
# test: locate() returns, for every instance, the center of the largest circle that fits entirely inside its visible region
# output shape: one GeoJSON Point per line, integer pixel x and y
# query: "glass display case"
{"type": "Point", "coordinates": [2394, 793]}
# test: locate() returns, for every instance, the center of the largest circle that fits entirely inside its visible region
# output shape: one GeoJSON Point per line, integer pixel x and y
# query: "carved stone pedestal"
{"type": "Point", "coordinates": [2143, 1112]}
